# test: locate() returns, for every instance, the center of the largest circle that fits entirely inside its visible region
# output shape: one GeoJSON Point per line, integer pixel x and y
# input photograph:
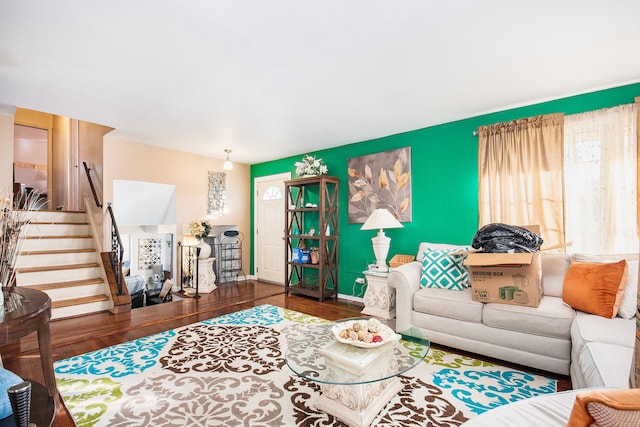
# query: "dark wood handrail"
{"type": "Point", "coordinates": [117, 251]}
{"type": "Point", "coordinates": [93, 189]}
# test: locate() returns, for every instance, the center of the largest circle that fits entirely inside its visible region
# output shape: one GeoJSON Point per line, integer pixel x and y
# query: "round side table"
{"type": "Point", "coordinates": [25, 311]}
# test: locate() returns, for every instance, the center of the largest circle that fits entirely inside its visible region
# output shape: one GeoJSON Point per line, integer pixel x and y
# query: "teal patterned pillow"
{"type": "Point", "coordinates": [442, 269]}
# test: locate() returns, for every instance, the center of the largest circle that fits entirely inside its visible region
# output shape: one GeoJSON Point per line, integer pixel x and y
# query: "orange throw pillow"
{"type": "Point", "coordinates": [595, 288]}
{"type": "Point", "coordinates": [618, 407]}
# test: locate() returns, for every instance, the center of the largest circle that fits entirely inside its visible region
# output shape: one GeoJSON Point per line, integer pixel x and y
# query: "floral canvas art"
{"type": "Point", "coordinates": [380, 180]}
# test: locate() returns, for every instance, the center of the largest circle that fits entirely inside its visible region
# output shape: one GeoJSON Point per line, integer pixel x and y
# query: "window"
{"type": "Point", "coordinates": [272, 193]}
{"type": "Point", "coordinates": [600, 172]}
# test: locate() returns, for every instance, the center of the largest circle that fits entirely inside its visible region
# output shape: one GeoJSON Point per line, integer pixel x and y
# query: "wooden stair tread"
{"type": "Point", "coordinates": [78, 301]}
{"type": "Point", "coordinates": [58, 251]}
{"type": "Point", "coordinates": [57, 267]}
{"type": "Point", "coordinates": [67, 284]}
{"type": "Point", "coordinates": [65, 236]}
{"type": "Point", "coordinates": [52, 210]}
{"type": "Point", "coordinates": [58, 223]}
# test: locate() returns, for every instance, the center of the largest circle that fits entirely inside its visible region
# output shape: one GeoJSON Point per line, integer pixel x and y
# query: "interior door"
{"type": "Point", "coordinates": [31, 159]}
{"type": "Point", "coordinates": [269, 220]}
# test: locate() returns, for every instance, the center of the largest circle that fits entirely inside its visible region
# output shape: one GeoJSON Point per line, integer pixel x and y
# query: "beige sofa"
{"type": "Point", "coordinates": [594, 350]}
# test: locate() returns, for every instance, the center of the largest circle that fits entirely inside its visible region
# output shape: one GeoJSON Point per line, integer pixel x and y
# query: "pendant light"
{"type": "Point", "coordinates": [227, 163]}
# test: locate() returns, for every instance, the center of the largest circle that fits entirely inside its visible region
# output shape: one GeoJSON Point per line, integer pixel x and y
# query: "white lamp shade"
{"type": "Point", "coordinates": [379, 219]}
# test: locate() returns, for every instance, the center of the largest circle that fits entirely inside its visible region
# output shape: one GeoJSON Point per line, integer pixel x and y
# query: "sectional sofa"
{"type": "Point", "coordinates": [596, 351]}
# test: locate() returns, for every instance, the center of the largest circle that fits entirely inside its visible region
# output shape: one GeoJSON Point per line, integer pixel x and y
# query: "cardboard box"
{"type": "Point", "coordinates": [506, 278]}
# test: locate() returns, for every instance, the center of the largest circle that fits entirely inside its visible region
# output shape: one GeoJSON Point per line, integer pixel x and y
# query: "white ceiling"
{"type": "Point", "coordinates": [270, 79]}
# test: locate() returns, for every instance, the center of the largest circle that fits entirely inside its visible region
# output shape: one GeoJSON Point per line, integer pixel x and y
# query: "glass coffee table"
{"type": "Point", "coordinates": [356, 383]}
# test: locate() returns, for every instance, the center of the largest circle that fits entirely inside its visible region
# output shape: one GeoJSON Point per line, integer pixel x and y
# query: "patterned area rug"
{"type": "Point", "coordinates": [230, 371]}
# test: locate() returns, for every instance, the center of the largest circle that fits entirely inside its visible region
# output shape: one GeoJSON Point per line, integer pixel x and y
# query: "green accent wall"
{"type": "Point", "coordinates": [444, 180]}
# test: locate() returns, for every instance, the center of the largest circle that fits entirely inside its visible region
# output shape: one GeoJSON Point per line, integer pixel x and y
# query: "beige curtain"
{"type": "Point", "coordinates": [600, 164]}
{"type": "Point", "coordinates": [634, 378]}
{"type": "Point", "coordinates": [520, 167]}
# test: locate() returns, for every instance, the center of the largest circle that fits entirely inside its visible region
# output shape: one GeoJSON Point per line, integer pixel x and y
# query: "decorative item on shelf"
{"type": "Point", "coordinates": [300, 255]}
{"type": "Point", "coordinates": [380, 219]}
{"type": "Point", "coordinates": [312, 231]}
{"type": "Point", "coordinates": [310, 166]}
{"type": "Point", "coordinates": [314, 256]}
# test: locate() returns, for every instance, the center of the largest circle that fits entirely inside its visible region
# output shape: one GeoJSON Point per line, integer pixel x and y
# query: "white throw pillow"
{"type": "Point", "coordinates": [629, 303]}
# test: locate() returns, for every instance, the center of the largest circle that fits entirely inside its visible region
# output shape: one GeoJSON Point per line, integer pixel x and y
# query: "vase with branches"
{"type": "Point", "coordinates": [12, 230]}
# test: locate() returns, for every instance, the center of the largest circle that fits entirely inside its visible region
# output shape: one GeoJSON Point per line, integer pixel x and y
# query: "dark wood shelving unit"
{"type": "Point", "coordinates": [312, 202]}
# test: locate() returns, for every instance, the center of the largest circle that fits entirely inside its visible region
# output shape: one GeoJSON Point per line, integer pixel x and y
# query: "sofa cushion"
{"type": "Point", "coordinates": [554, 268]}
{"type": "Point", "coordinates": [629, 300]}
{"type": "Point", "coordinates": [595, 288]}
{"type": "Point", "coordinates": [544, 410]}
{"type": "Point", "coordinates": [588, 328]}
{"type": "Point", "coordinates": [551, 318]}
{"type": "Point", "coordinates": [605, 365]}
{"type": "Point", "coordinates": [443, 268]}
{"type": "Point", "coordinates": [446, 303]}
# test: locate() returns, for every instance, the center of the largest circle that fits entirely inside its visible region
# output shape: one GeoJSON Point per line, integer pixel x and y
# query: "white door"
{"type": "Point", "coordinates": [269, 233]}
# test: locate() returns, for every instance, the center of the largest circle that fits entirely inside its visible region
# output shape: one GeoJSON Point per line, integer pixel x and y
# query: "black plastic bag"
{"type": "Point", "coordinates": [505, 238]}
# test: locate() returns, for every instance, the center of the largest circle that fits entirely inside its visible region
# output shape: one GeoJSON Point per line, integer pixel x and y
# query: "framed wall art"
{"type": "Point", "coordinates": [217, 198]}
{"type": "Point", "coordinates": [380, 180]}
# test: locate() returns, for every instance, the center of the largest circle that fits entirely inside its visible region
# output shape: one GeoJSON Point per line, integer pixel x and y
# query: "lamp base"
{"type": "Point", "coordinates": [381, 249]}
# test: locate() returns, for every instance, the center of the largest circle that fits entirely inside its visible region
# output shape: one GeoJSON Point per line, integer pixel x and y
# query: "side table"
{"type": "Point", "coordinates": [206, 276]}
{"type": "Point", "coordinates": [379, 298]}
{"type": "Point", "coordinates": [25, 311]}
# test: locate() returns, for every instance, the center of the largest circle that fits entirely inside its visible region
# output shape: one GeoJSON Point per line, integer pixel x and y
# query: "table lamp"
{"type": "Point", "coordinates": [380, 219]}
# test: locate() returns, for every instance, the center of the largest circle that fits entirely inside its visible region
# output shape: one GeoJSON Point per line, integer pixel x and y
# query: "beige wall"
{"type": "Point", "coordinates": [60, 162]}
{"type": "Point", "coordinates": [90, 150]}
{"type": "Point", "coordinates": [189, 173]}
{"type": "Point", "coordinates": [6, 149]}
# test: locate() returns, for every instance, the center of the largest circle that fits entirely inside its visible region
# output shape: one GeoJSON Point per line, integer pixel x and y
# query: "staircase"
{"type": "Point", "coordinates": [58, 257]}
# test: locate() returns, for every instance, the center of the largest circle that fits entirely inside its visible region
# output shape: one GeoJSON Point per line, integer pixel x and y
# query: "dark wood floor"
{"type": "Point", "coordinates": [73, 336]}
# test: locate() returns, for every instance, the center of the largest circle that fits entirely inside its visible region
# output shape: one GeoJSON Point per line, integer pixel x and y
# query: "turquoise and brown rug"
{"type": "Point", "coordinates": [230, 371]}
